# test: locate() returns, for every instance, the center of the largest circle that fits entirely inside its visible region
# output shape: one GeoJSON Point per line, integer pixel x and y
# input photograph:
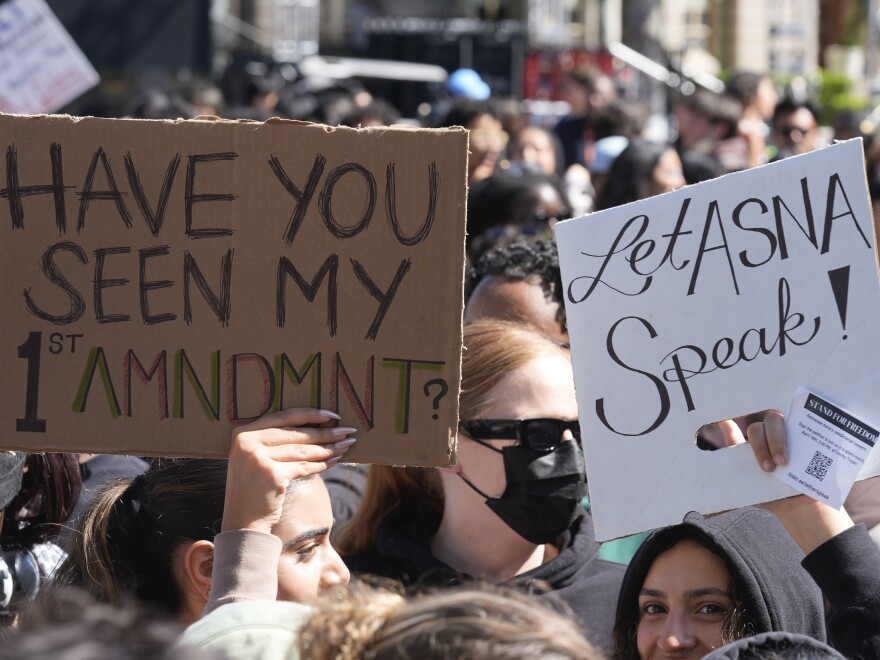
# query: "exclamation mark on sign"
{"type": "Point", "coordinates": [839, 278]}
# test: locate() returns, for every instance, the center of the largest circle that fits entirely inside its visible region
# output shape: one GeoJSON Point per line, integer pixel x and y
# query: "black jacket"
{"type": "Point", "coordinates": [847, 568]}
{"type": "Point", "coordinates": [588, 584]}
{"type": "Point", "coordinates": [777, 593]}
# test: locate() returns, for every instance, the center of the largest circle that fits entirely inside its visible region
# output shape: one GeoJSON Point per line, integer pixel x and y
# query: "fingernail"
{"type": "Point", "coordinates": [329, 414]}
{"type": "Point", "coordinates": [768, 466]}
{"type": "Point", "coordinates": [333, 461]}
{"type": "Point", "coordinates": [344, 444]}
{"type": "Point", "coordinates": [780, 459]}
{"type": "Point", "coordinates": [342, 431]}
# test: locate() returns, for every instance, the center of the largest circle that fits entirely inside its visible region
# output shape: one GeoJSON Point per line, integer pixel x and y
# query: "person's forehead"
{"type": "Point", "coordinates": [496, 293]}
{"type": "Point", "coordinates": [306, 507]}
{"type": "Point", "coordinates": [543, 387]}
{"type": "Point", "coordinates": [688, 561]}
{"type": "Point", "coordinates": [522, 300]}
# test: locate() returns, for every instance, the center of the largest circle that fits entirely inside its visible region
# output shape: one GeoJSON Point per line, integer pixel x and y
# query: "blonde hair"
{"type": "Point", "coordinates": [91, 551]}
{"type": "Point", "coordinates": [492, 349]}
{"type": "Point", "coordinates": [361, 621]}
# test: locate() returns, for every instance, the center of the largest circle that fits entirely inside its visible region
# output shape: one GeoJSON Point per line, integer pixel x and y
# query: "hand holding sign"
{"type": "Point", "coordinates": [709, 303]}
{"type": "Point", "coordinates": [810, 522]}
{"type": "Point", "coordinates": [266, 455]}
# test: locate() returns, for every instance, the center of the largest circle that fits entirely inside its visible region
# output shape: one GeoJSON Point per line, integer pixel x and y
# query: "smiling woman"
{"type": "Point", "coordinates": [695, 586]}
{"type": "Point", "coordinates": [708, 581]}
{"type": "Point", "coordinates": [686, 602]}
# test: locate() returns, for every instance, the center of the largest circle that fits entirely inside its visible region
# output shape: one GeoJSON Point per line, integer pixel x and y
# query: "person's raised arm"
{"type": "Point", "coordinates": [269, 453]}
{"type": "Point", "coordinates": [809, 521]}
{"type": "Point", "coordinates": [264, 457]}
{"type": "Point", "coordinates": [841, 557]}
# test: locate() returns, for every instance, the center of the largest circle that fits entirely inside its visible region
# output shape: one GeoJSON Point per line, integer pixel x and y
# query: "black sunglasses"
{"type": "Point", "coordinates": [541, 434]}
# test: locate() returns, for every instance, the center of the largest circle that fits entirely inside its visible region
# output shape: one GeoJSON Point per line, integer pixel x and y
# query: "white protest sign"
{"type": "Point", "coordinates": [712, 302]}
{"type": "Point", "coordinates": [41, 67]}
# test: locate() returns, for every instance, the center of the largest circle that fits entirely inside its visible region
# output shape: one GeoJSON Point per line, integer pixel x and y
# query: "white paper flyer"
{"type": "Point", "coordinates": [827, 447]}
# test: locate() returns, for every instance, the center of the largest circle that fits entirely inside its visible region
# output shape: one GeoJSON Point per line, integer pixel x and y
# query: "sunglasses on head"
{"type": "Point", "coordinates": [541, 434]}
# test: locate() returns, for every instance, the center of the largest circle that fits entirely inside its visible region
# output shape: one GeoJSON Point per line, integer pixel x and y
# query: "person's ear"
{"type": "Point", "coordinates": [198, 564]}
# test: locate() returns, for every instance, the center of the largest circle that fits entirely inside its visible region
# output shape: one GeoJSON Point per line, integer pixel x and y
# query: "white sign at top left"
{"type": "Point", "coordinates": [41, 67]}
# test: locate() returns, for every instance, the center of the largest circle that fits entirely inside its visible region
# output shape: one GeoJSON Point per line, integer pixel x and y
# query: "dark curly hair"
{"type": "Point", "coordinates": [535, 260]}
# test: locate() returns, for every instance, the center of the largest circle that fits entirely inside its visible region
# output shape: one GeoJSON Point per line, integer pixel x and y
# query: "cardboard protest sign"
{"type": "Point", "coordinates": [41, 67]}
{"type": "Point", "coordinates": [164, 281]}
{"type": "Point", "coordinates": [712, 302]}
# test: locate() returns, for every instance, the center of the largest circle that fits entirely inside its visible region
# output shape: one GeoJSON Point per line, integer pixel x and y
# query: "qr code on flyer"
{"type": "Point", "coordinates": [819, 465]}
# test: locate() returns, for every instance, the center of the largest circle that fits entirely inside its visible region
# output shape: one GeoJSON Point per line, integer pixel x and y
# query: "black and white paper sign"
{"type": "Point", "coordinates": [827, 447]}
{"type": "Point", "coordinates": [712, 302]}
{"type": "Point", "coordinates": [41, 67]}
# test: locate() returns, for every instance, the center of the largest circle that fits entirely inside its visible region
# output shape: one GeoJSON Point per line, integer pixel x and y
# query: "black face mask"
{"type": "Point", "coordinates": [544, 490]}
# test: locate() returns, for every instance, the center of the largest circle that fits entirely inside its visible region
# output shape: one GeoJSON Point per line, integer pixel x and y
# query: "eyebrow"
{"type": "Point", "coordinates": [696, 593]}
{"type": "Point", "coordinates": [308, 536]}
{"type": "Point", "coordinates": [708, 591]}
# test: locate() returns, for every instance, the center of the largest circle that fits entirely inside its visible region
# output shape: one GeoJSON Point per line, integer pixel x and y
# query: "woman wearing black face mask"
{"type": "Point", "coordinates": [510, 510]}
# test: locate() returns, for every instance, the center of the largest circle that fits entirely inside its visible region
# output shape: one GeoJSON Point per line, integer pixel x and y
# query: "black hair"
{"type": "Point", "coordinates": [619, 117]}
{"type": "Point", "coordinates": [789, 105]}
{"type": "Point", "coordinates": [555, 142]}
{"type": "Point", "coordinates": [127, 540]}
{"type": "Point", "coordinates": [697, 167]}
{"type": "Point", "coordinates": [378, 109]}
{"type": "Point", "coordinates": [499, 199]}
{"type": "Point", "coordinates": [717, 108]}
{"type": "Point", "coordinates": [463, 111]}
{"type": "Point", "coordinates": [523, 260]}
{"type": "Point", "coordinates": [630, 173]}
{"type": "Point", "coordinates": [743, 86]}
{"type": "Point", "coordinates": [50, 489]}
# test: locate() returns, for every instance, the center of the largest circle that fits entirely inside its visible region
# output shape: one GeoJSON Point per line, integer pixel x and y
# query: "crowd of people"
{"type": "Point", "coordinates": [286, 551]}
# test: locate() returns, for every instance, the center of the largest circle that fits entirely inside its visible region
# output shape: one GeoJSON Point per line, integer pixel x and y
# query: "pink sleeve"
{"type": "Point", "coordinates": [245, 567]}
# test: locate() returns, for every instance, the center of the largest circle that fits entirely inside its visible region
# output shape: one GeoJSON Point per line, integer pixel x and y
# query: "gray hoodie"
{"type": "Point", "coordinates": [777, 593]}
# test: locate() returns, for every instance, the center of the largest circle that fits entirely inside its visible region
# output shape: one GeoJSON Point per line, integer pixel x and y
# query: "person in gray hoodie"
{"type": "Point", "coordinates": [695, 586]}
{"type": "Point", "coordinates": [761, 587]}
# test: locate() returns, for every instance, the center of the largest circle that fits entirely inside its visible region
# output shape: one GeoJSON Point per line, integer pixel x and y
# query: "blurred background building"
{"type": "Point", "coordinates": [519, 46]}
